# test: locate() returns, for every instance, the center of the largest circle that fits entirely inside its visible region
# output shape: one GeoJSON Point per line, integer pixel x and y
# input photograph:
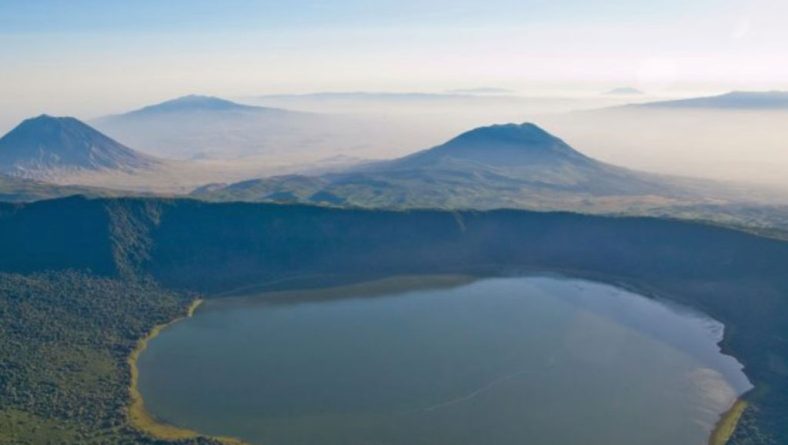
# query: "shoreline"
{"type": "Point", "coordinates": [142, 420]}
{"type": "Point", "coordinates": [362, 289]}
{"type": "Point", "coordinates": [729, 421]}
{"type": "Point", "coordinates": [137, 416]}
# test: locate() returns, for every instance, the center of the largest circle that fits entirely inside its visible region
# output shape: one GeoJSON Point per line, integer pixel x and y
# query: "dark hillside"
{"type": "Point", "coordinates": [69, 233]}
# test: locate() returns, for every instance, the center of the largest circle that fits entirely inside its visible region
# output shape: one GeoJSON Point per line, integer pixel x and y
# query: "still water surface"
{"type": "Point", "coordinates": [499, 361]}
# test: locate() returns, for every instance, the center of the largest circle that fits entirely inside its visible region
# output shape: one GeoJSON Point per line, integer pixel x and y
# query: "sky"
{"type": "Point", "coordinates": [90, 57]}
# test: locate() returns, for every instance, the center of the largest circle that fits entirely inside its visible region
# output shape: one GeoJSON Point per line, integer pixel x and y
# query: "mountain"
{"type": "Point", "coordinates": [194, 126]}
{"type": "Point", "coordinates": [48, 147]}
{"type": "Point", "coordinates": [490, 167]}
{"type": "Point", "coordinates": [624, 91]}
{"type": "Point", "coordinates": [194, 103]}
{"type": "Point", "coordinates": [508, 146]}
{"type": "Point", "coordinates": [735, 100]}
{"type": "Point", "coordinates": [482, 91]}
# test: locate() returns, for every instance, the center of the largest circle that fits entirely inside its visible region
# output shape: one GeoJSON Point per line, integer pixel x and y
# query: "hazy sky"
{"type": "Point", "coordinates": [88, 57]}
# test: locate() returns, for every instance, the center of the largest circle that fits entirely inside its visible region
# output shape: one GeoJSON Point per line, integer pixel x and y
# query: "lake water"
{"type": "Point", "coordinates": [498, 361]}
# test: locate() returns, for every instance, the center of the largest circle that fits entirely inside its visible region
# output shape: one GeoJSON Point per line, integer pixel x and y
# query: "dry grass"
{"type": "Point", "coordinates": [138, 416]}
{"type": "Point", "coordinates": [727, 424]}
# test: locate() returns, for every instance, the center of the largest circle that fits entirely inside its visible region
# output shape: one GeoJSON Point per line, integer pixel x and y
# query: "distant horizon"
{"type": "Point", "coordinates": [88, 58]}
{"type": "Point", "coordinates": [249, 99]}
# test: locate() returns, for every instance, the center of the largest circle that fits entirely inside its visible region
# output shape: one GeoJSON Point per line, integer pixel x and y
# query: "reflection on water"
{"type": "Point", "coordinates": [543, 360]}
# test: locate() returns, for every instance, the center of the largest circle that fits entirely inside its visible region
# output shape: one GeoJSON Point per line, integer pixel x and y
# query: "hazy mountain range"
{"type": "Point", "coordinates": [515, 166]}
{"type": "Point", "coordinates": [735, 100]}
{"type": "Point", "coordinates": [482, 91]}
{"type": "Point", "coordinates": [66, 151]}
{"type": "Point", "coordinates": [204, 127]}
{"type": "Point", "coordinates": [733, 137]}
{"type": "Point", "coordinates": [451, 110]}
{"type": "Point", "coordinates": [454, 95]}
{"type": "Point", "coordinates": [498, 166]}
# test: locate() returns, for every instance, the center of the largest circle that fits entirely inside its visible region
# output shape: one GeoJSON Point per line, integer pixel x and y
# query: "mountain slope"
{"type": "Point", "coordinates": [498, 166]}
{"type": "Point", "coordinates": [47, 147]}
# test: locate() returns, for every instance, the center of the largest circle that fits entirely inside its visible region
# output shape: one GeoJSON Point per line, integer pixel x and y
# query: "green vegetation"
{"type": "Point", "coordinates": [83, 280]}
{"type": "Point", "coordinates": [65, 340]}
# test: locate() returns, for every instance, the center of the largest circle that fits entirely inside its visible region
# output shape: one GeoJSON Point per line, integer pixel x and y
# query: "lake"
{"type": "Point", "coordinates": [431, 361]}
